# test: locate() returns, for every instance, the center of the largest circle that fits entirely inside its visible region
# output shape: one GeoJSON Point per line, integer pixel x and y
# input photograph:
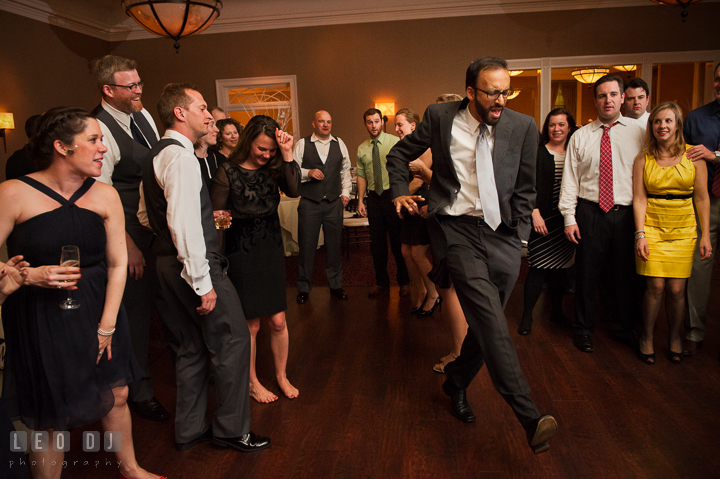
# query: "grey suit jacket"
{"type": "Point", "coordinates": [514, 153]}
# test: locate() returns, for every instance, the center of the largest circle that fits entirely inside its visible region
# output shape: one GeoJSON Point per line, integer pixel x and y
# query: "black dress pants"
{"type": "Point", "coordinates": [484, 265]}
{"type": "Point", "coordinates": [384, 222]}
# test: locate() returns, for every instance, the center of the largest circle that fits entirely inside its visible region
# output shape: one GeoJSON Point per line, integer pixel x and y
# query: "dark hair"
{"type": "Point", "coordinates": [638, 83]}
{"type": "Point", "coordinates": [409, 115]}
{"type": "Point", "coordinates": [371, 112]}
{"type": "Point", "coordinates": [480, 65]}
{"type": "Point", "coordinates": [545, 135]}
{"type": "Point", "coordinates": [173, 95]}
{"type": "Point", "coordinates": [31, 125]}
{"type": "Point", "coordinates": [59, 123]}
{"type": "Point", "coordinates": [608, 79]}
{"type": "Point", "coordinates": [650, 143]}
{"type": "Point", "coordinates": [258, 125]}
{"type": "Point", "coordinates": [221, 124]}
{"type": "Point", "coordinates": [105, 69]}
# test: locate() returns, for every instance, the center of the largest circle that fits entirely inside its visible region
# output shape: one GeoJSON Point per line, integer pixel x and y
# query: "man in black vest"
{"type": "Point", "coordinates": [206, 312]}
{"type": "Point", "coordinates": [325, 191]}
{"type": "Point", "coordinates": [129, 132]}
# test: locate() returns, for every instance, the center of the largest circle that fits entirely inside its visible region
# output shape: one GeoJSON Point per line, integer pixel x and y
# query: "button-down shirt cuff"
{"type": "Point", "coordinates": [201, 286]}
{"type": "Point", "coordinates": [570, 220]}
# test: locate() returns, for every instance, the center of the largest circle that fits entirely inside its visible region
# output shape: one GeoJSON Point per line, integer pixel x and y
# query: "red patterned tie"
{"type": "Point", "coordinates": [606, 199]}
{"type": "Point", "coordinates": [716, 179]}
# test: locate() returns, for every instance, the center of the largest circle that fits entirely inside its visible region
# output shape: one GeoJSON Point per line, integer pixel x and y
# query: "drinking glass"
{"type": "Point", "coordinates": [70, 257]}
{"type": "Point", "coordinates": [223, 222]}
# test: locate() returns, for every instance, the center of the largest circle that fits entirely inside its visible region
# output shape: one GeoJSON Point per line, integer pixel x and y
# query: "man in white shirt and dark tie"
{"type": "Point", "coordinates": [596, 201]}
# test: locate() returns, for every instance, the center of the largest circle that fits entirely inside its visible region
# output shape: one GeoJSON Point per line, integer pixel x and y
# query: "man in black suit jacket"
{"type": "Point", "coordinates": [476, 223]}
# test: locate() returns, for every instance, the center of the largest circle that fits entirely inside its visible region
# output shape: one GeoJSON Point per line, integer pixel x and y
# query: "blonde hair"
{"type": "Point", "coordinates": [650, 144]}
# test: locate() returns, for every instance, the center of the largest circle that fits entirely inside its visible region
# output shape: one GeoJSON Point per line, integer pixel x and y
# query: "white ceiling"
{"type": "Point", "coordinates": [107, 20]}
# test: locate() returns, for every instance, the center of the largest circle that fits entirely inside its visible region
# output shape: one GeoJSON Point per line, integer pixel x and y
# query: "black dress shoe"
{"type": "Point", "coordinates": [525, 326]}
{"type": "Point", "coordinates": [339, 293]}
{"type": "Point", "coordinates": [459, 406]}
{"type": "Point", "coordinates": [539, 431]}
{"type": "Point", "coordinates": [150, 409]}
{"type": "Point", "coordinates": [302, 297]}
{"type": "Point", "coordinates": [249, 442]}
{"type": "Point", "coordinates": [204, 437]}
{"type": "Point", "coordinates": [583, 342]}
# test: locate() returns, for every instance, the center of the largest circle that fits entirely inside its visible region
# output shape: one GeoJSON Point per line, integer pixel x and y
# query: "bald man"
{"type": "Point", "coordinates": [324, 191]}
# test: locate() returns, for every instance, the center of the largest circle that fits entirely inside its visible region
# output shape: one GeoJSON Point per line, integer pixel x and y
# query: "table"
{"type": "Point", "coordinates": [287, 211]}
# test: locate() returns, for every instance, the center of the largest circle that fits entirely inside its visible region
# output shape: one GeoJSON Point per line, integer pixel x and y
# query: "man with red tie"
{"type": "Point", "coordinates": [702, 130]}
{"type": "Point", "coordinates": [596, 202]}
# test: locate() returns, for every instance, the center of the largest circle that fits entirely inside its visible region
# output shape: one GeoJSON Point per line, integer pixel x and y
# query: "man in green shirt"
{"type": "Point", "coordinates": [372, 176]}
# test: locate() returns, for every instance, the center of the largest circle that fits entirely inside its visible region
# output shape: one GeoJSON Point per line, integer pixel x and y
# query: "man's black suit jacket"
{"type": "Point", "coordinates": [514, 153]}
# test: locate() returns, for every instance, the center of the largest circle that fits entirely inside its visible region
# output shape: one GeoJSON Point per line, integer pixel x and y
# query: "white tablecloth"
{"type": "Point", "coordinates": [287, 211]}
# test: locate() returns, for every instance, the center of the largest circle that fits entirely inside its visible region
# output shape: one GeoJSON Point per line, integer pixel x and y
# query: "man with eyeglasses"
{"type": "Point", "coordinates": [596, 201]}
{"type": "Point", "coordinates": [128, 133]}
{"type": "Point", "coordinates": [479, 205]}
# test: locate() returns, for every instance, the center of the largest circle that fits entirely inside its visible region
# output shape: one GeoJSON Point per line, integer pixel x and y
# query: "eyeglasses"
{"type": "Point", "coordinates": [132, 87]}
{"type": "Point", "coordinates": [494, 95]}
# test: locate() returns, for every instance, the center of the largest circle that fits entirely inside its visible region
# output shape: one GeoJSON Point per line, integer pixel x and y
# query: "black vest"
{"type": "Point", "coordinates": [331, 186]}
{"type": "Point", "coordinates": [128, 171]}
{"type": "Point", "coordinates": [156, 206]}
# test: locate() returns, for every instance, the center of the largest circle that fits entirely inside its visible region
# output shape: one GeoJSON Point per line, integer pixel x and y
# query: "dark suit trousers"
{"type": "Point", "coordinates": [484, 265]}
{"type": "Point", "coordinates": [221, 336]}
{"type": "Point", "coordinates": [606, 242]}
{"type": "Point", "coordinates": [384, 222]}
{"type": "Point", "coordinates": [312, 215]}
{"type": "Point", "coordinates": [140, 298]}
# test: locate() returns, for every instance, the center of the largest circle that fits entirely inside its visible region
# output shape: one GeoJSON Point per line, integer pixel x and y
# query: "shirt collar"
{"type": "Point", "coordinates": [473, 124]}
{"type": "Point", "coordinates": [120, 116]}
{"type": "Point", "coordinates": [184, 140]}
{"type": "Point", "coordinates": [597, 124]}
{"type": "Point", "coordinates": [380, 139]}
{"type": "Point", "coordinates": [314, 138]}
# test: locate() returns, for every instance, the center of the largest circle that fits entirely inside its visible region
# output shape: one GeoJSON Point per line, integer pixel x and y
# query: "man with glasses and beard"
{"type": "Point", "coordinates": [479, 205]}
{"type": "Point", "coordinates": [128, 133]}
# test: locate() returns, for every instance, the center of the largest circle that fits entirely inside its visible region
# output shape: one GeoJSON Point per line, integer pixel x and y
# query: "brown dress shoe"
{"type": "Point", "coordinates": [377, 290]}
{"type": "Point", "coordinates": [404, 290]}
{"type": "Point", "coordinates": [691, 347]}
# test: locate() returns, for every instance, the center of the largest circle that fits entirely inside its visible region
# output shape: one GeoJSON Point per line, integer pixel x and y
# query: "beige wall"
{"type": "Point", "coordinates": [343, 68]}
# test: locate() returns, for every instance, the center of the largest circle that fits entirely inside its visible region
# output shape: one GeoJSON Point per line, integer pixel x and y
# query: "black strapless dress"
{"type": "Point", "coordinates": [51, 380]}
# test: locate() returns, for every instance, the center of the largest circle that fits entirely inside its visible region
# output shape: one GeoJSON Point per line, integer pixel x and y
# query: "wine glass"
{"type": "Point", "coordinates": [70, 257]}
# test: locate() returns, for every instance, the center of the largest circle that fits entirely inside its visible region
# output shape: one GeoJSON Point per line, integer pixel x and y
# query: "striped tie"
{"type": "Point", "coordinates": [607, 199]}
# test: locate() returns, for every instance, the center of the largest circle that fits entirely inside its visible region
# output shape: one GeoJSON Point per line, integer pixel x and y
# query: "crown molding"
{"type": "Point", "coordinates": [341, 12]}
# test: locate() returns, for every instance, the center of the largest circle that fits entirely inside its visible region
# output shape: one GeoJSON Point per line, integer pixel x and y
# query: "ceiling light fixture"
{"type": "Point", "coordinates": [589, 75]}
{"type": "Point", "coordinates": [684, 5]}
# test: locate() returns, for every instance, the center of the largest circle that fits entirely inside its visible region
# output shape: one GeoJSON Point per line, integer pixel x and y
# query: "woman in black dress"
{"type": "Point", "coordinates": [247, 185]}
{"type": "Point", "coordinates": [549, 251]}
{"type": "Point", "coordinates": [59, 374]}
{"type": "Point", "coordinates": [414, 234]}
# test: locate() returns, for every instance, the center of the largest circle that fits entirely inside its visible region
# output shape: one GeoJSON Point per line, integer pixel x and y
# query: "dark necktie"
{"type": "Point", "coordinates": [716, 178]}
{"type": "Point", "coordinates": [377, 168]}
{"type": "Point", "coordinates": [137, 135]}
{"type": "Point", "coordinates": [606, 197]}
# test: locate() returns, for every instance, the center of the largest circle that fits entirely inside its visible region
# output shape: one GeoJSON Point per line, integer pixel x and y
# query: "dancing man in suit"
{"type": "Point", "coordinates": [481, 197]}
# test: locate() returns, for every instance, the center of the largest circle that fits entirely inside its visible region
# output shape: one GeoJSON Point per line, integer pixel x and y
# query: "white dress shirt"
{"type": "Point", "coordinates": [112, 156]}
{"type": "Point", "coordinates": [581, 175]}
{"type": "Point", "coordinates": [462, 151]}
{"type": "Point", "coordinates": [643, 120]}
{"type": "Point", "coordinates": [323, 149]}
{"type": "Point", "coordinates": [177, 171]}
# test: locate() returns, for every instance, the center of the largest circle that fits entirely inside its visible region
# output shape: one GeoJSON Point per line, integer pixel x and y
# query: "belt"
{"type": "Point", "coordinates": [671, 197]}
{"type": "Point", "coordinates": [472, 220]}
{"type": "Point", "coordinates": [614, 207]}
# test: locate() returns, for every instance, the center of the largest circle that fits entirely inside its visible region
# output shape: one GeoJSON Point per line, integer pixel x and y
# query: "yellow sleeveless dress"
{"type": "Point", "coordinates": [670, 227]}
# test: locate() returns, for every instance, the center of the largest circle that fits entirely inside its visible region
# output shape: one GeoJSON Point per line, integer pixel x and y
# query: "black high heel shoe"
{"type": "Point", "coordinates": [525, 326]}
{"type": "Point", "coordinates": [437, 304]}
{"type": "Point", "coordinates": [417, 309]}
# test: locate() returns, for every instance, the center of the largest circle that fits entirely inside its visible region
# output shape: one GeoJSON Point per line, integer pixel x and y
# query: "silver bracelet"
{"type": "Point", "coordinates": [105, 333]}
{"type": "Point", "coordinates": [637, 237]}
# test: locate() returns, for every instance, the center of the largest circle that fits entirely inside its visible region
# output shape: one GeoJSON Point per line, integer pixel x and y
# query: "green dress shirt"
{"type": "Point", "coordinates": [364, 160]}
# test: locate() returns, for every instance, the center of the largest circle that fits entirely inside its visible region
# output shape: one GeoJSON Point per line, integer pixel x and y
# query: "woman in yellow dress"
{"type": "Point", "coordinates": [665, 183]}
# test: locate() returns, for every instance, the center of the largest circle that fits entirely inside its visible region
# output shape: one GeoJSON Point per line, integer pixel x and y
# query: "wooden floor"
{"type": "Point", "coordinates": [370, 406]}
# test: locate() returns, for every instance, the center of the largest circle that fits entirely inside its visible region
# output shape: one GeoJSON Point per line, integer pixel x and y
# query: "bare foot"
{"type": "Point", "coordinates": [288, 389]}
{"type": "Point", "coordinates": [139, 473]}
{"type": "Point", "coordinates": [260, 394]}
{"type": "Point", "coordinates": [420, 300]}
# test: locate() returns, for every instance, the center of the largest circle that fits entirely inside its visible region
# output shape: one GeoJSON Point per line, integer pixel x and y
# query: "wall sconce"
{"type": "Point", "coordinates": [386, 108]}
{"type": "Point", "coordinates": [514, 73]}
{"type": "Point", "coordinates": [6, 122]}
{"type": "Point", "coordinates": [514, 95]}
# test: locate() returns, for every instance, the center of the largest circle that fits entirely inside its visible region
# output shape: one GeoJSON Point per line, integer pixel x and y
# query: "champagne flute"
{"type": "Point", "coordinates": [70, 257]}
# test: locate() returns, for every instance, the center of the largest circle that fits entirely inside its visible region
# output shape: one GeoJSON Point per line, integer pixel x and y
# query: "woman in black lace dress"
{"type": "Point", "coordinates": [247, 185]}
{"type": "Point", "coordinates": [68, 367]}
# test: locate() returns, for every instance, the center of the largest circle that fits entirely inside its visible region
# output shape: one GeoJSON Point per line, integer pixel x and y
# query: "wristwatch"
{"type": "Point", "coordinates": [717, 157]}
